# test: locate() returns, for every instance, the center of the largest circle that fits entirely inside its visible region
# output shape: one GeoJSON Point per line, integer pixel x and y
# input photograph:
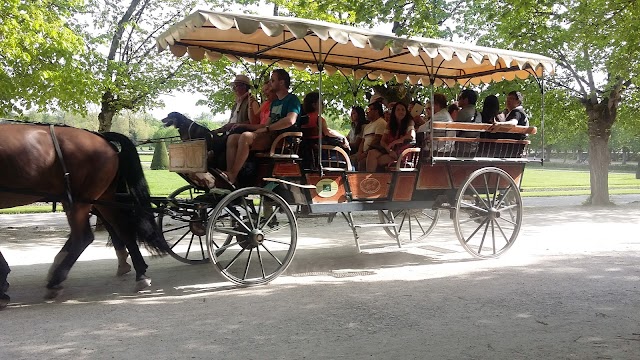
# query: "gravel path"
{"type": "Point", "coordinates": [568, 289]}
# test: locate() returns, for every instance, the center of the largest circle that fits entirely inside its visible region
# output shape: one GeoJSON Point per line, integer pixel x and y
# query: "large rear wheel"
{"type": "Point", "coordinates": [252, 236]}
{"type": "Point", "coordinates": [488, 213]}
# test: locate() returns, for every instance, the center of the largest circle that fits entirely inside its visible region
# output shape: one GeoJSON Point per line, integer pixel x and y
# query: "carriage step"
{"type": "Point", "coordinates": [375, 225]}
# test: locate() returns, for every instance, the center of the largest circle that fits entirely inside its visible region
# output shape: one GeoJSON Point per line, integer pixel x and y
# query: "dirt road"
{"type": "Point", "coordinates": [568, 289]}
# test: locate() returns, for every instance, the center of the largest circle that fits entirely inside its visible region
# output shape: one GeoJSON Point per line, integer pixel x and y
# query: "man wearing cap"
{"type": "Point", "coordinates": [246, 107]}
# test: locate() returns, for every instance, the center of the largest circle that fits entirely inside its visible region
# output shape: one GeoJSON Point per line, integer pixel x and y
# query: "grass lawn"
{"type": "Point", "coordinates": [553, 182]}
{"type": "Point", "coordinates": [536, 182]}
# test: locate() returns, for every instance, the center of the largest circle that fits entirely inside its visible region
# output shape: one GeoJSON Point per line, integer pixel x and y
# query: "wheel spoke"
{"type": "Point", "coordinates": [276, 241]}
{"type": "Point", "coordinates": [202, 247]}
{"type": "Point", "coordinates": [474, 207]}
{"type": "Point", "coordinates": [248, 212]}
{"type": "Point", "coordinates": [486, 188]}
{"type": "Point", "coordinates": [260, 213]}
{"type": "Point", "coordinates": [509, 221]}
{"type": "Point", "coordinates": [233, 260]}
{"type": "Point", "coordinates": [478, 195]}
{"type": "Point", "coordinates": [504, 196]}
{"type": "Point", "coordinates": [237, 219]}
{"type": "Point", "coordinates": [229, 231]}
{"type": "Point", "coordinates": [472, 219]}
{"type": "Point", "coordinates": [246, 268]}
{"type": "Point", "coordinates": [261, 263]}
{"type": "Point", "coordinates": [484, 235]}
{"type": "Point", "coordinates": [225, 247]}
{"type": "Point", "coordinates": [502, 231]}
{"type": "Point", "coordinates": [475, 231]}
{"type": "Point", "coordinates": [189, 247]}
{"type": "Point", "coordinates": [175, 229]}
{"type": "Point", "coordinates": [180, 239]}
{"type": "Point", "coordinates": [270, 253]}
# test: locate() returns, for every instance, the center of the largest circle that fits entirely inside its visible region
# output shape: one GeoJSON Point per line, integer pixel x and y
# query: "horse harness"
{"type": "Point", "coordinates": [67, 179]}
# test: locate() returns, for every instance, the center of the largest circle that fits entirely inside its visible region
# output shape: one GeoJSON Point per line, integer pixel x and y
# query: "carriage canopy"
{"type": "Point", "coordinates": [353, 51]}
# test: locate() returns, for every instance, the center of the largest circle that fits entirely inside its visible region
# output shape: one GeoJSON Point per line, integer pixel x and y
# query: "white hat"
{"type": "Point", "coordinates": [243, 79]}
{"type": "Point", "coordinates": [375, 98]}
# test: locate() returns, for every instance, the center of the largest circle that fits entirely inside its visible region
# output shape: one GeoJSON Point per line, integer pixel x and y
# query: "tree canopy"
{"type": "Point", "coordinates": [43, 58]}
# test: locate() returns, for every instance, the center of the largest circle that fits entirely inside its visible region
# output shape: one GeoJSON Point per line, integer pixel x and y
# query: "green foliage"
{"type": "Point", "coordinates": [43, 61]}
{"type": "Point", "coordinates": [160, 159]}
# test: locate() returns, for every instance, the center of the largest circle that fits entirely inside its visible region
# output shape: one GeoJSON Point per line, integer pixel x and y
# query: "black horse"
{"type": "Point", "coordinates": [83, 170]}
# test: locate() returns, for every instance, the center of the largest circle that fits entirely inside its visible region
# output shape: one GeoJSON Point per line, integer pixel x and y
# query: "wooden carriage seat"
{"type": "Point", "coordinates": [285, 146]}
{"type": "Point", "coordinates": [407, 160]}
{"type": "Point", "coordinates": [334, 158]}
{"type": "Point", "coordinates": [483, 147]}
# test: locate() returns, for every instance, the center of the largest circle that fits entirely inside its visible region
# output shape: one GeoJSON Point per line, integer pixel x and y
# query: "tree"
{"type": "Point", "coordinates": [596, 50]}
{"type": "Point", "coordinates": [131, 72]}
{"type": "Point", "coordinates": [42, 58]}
{"type": "Point", "coordinates": [160, 160]}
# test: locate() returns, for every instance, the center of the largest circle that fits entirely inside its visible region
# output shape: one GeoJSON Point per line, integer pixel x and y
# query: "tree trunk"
{"type": "Point", "coordinates": [107, 112]}
{"type": "Point", "coordinates": [601, 117]}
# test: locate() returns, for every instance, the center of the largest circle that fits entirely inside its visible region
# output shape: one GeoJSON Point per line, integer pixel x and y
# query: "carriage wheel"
{"type": "Point", "coordinates": [184, 225]}
{"type": "Point", "coordinates": [488, 213]}
{"type": "Point", "coordinates": [252, 236]}
{"type": "Point", "coordinates": [413, 224]}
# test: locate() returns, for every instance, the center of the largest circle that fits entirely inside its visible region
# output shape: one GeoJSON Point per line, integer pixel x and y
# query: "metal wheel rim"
{"type": "Point", "coordinates": [239, 258]}
{"type": "Point", "coordinates": [487, 224]}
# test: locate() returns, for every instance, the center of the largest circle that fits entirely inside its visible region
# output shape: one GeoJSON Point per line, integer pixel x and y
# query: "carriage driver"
{"type": "Point", "coordinates": [285, 109]}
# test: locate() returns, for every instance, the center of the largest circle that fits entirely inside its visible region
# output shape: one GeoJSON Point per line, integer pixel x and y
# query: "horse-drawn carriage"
{"type": "Point", "coordinates": [250, 234]}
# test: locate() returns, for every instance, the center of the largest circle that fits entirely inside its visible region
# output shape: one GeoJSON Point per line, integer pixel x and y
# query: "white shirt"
{"type": "Point", "coordinates": [370, 130]}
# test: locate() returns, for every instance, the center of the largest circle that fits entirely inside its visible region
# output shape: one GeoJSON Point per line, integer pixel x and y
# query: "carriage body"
{"type": "Point", "coordinates": [476, 180]}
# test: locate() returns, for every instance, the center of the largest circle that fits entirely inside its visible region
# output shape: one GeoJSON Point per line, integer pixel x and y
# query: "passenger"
{"type": "Point", "coordinates": [515, 112]}
{"type": "Point", "coordinates": [454, 109]}
{"type": "Point", "coordinates": [400, 134]}
{"type": "Point", "coordinates": [371, 134]}
{"type": "Point", "coordinates": [490, 115]}
{"type": "Point", "coordinates": [311, 106]}
{"type": "Point", "coordinates": [417, 111]}
{"type": "Point", "coordinates": [358, 120]}
{"type": "Point", "coordinates": [467, 102]}
{"type": "Point", "coordinates": [265, 109]}
{"type": "Point", "coordinates": [284, 112]}
{"type": "Point", "coordinates": [441, 114]}
{"type": "Point", "coordinates": [491, 110]}
{"type": "Point", "coordinates": [245, 107]}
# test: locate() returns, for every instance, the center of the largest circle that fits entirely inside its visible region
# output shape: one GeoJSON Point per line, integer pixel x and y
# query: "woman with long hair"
{"type": "Point", "coordinates": [358, 120]}
{"type": "Point", "coordinates": [399, 135]}
{"type": "Point", "coordinates": [311, 106]}
{"type": "Point", "coordinates": [491, 113]}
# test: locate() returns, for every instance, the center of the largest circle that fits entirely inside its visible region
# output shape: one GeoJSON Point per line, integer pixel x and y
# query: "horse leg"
{"type": "Point", "coordinates": [81, 236]}
{"type": "Point", "coordinates": [142, 281]}
{"type": "Point", "coordinates": [4, 285]}
{"type": "Point", "coordinates": [123, 232]}
{"type": "Point", "coordinates": [118, 245]}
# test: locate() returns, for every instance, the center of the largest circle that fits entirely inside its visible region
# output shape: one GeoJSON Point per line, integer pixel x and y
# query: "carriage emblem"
{"type": "Point", "coordinates": [370, 185]}
{"type": "Point", "coordinates": [327, 188]}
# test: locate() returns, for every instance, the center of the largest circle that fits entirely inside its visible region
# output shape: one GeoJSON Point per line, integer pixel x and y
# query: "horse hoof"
{"type": "Point", "coordinates": [53, 292]}
{"type": "Point", "coordinates": [4, 301]}
{"type": "Point", "coordinates": [123, 269]}
{"type": "Point", "coordinates": [143, 283]}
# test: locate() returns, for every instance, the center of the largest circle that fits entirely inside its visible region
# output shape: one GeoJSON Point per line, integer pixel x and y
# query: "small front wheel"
{"type": "Point", "coordinates": [413, 224]}
{"type": "Point", "coordinates": [252, 236]}
{"type": "Point", "coordinates": [488, 213]}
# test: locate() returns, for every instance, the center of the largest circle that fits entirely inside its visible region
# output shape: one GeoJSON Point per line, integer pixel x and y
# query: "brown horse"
{"type": "Point", "coordinates": [84, 171]}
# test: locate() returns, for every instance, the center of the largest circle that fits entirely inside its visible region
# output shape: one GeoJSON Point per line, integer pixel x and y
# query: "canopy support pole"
{"type": "Point", "coordinates": [320, 69]}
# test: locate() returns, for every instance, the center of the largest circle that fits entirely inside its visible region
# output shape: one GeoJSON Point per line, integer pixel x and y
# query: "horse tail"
{"type": "Point", "coordinates": [131, 177]}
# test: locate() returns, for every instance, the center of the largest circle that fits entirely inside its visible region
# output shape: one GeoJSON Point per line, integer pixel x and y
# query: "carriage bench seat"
{"type": "Point", "coordinates": [407, 160]}
{"type": "Point", "coordinates": [490, 128]}
{"type": "Point", "coordinates": [285, 146]}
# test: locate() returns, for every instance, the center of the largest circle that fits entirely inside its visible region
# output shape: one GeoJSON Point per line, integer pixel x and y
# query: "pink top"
{"type": "Point", "coordinates": [265, 112]}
